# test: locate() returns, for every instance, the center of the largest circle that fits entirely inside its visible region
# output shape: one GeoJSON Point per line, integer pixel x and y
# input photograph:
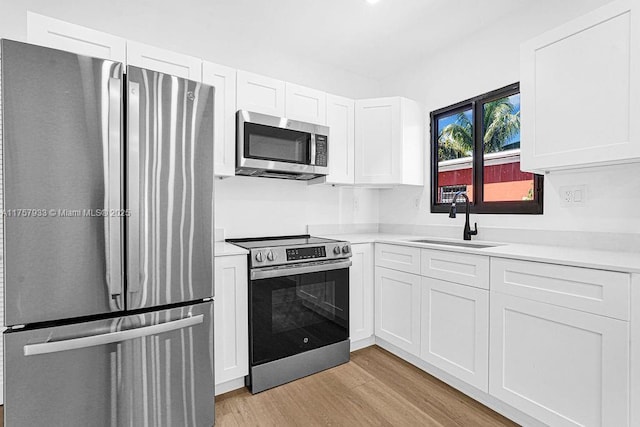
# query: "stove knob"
{"type": "Point", "coordinates": [259, 257]}
{"type": "Point", "coordinates": [336, 250]}
{"type": "Point", "coordinates": [345, 249]}
{"type": "Point", "coordinates": [271, 256]}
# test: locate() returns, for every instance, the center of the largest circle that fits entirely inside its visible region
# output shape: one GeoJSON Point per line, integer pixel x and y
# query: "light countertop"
{"type": "Point", "coordinates": [228, 249]}
{"type": "Point", "coordinates": [598, 259]}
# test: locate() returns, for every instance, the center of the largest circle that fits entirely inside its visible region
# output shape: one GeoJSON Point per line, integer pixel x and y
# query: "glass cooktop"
{"type": "Point", "coordinates": [264, 242]}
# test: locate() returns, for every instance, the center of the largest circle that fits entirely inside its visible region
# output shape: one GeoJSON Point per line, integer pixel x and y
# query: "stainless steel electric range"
{"type": "Point", "coordinates": [298, 307]}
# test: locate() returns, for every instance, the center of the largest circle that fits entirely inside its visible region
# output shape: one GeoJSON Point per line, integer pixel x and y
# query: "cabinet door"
{"type": "Point", "coordinates": [305, 104]}
{"type": "Point", "coordinates": [455, 330]}
{"type": "Point", "coordinates": [563, 367]}
{"type": "Point", "coordinates": [164, 61]}
{"type": "Point", "coordinates": [378, 141]}
{"type": "Point", "coordinates": [50, 32]}
{"type": "Point", "coordinates": [361, 292]}
{"type": "Point", "coordinates": [397, 313]}
{"type": "Point", "coordinates": [223, 79]}
{"type": "Point", "coordinates": [260, 94]}
{"type": "Point", "coordinates": [341, 122]}
{"type": "Point", "coordinates": [584, 72]}
{"type": "Point", "coordinates": [231, 318]}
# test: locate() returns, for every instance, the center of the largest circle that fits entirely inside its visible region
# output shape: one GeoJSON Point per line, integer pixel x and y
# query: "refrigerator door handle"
{"type": "Point", "coordinates": [133, 188]}
{"type": "Point", "coordinates": [111, 337]}
{"type": "Point", "coordinates": [114, 215]}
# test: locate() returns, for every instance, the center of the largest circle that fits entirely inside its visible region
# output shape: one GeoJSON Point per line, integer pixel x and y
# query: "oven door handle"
{"type": "Point", "coordinates": [267, 273]}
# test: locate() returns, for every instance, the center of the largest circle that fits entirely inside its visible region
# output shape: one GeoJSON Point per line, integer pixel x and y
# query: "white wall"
{"type": "Point", "coordinates": [248, 207]}
{"type": "Point", "coordinates": [488, 61]}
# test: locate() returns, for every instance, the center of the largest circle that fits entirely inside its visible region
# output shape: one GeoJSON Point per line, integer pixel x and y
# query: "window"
{"type": "Point", "coordinates": [475, 147]}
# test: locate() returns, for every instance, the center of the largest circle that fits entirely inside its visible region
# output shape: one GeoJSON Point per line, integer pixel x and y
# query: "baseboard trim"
{"type": "Point", "coordinates": [366, 342]}
{"type": "Point", "coordinates": [230, 385]}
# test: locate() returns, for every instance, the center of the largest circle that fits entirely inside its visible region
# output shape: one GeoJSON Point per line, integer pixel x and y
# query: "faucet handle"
{"type": "Point", "coordinates": [475, 229]}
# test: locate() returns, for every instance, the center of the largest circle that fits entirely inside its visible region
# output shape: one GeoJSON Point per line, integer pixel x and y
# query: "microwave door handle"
{"type": "Point", "coordinates": [114, 204]}
{"type": "Point", "coordinates": [111, 337]}
{"type": "Point", "coordinates": [313, 149]}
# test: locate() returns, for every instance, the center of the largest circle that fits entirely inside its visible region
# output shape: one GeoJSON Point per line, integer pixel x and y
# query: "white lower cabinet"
{"type": "Point", "coordinates": [455, 330]}
{"type": "Point", "coordinates": [561, 366]}
{"type": "Point", "coordinates": [361, 292]}
{"type": "Point", "coordinates": [231, 325]}
{"type": "Point", "coordinates": [397, 308]}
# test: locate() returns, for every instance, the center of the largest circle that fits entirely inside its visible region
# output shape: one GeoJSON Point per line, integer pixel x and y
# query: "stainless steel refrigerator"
{"type": "Point", "coordinates": [107, 190]}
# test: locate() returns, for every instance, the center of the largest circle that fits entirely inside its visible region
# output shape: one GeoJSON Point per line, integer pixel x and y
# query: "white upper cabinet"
{"type": "Point", "coordinates": [223, 79]}
{"type": "Point", "coordinates": [341, 122]}
{"type": "Point", "coordinates": [389, 142]}
{"type": "Point", "coordinates": [164, 61]}
{"type": "Point", "coordinates": [260, 94]}
{"type": "Point", "coordinates": [50, 32]}
{"type": "Point", "coordinates": [580, 91]}
{"type": "Point", "coordinates": [305, 104]}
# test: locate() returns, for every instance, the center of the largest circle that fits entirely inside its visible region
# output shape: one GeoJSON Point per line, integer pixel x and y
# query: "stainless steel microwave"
{"type": "Point", "coordinates": [276, 147]}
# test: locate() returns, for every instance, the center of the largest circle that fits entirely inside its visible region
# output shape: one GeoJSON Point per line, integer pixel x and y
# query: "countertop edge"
{"type": "Point", "coordinates": [628, 262]}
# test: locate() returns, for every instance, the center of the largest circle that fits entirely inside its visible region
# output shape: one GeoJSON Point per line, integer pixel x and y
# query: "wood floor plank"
{"type": "Point", "coordinates": [375, 388]}
{"type": "Point", "coordinates": [426, 391]}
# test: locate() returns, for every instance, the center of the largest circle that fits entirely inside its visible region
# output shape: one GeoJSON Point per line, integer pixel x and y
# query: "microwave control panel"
{"type": "Point", "coordinates": [321, 150]}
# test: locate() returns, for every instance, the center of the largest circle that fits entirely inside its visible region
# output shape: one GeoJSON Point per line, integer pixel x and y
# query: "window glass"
{"type": "Point", "coordinates": [455, 154]}
{"type": "Point", "coordinates": [502, 178]}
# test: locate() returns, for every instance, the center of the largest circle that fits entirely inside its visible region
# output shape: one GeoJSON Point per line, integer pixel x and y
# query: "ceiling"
{"type": "Point", "coordinates": [369, 40]}
{"type": "Point", "coordinates": [373, 41]}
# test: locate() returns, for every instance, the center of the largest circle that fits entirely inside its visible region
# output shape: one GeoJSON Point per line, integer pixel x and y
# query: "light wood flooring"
{"type": "Point", "coordinates": [375, 388]}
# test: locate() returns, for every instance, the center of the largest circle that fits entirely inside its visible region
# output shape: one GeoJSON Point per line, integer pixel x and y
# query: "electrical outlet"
{"type": "Point", "coordinates": [573, 195]}
{"type": "Point", "coordinates": [356, 203]}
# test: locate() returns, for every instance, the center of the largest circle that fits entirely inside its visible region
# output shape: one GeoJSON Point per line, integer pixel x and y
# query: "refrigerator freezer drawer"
{"type": "Point", "coordinates": [151, 369]}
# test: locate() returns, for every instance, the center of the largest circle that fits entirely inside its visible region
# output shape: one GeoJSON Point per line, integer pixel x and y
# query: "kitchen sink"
{"type": "Point", "coordinates": [464, 244]}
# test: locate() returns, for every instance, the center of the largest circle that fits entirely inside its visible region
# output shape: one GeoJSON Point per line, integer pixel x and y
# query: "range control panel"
{"type": "Point", "coordinates": [296, 254]}
{"type": "Point", "coordinates": [280, 255]}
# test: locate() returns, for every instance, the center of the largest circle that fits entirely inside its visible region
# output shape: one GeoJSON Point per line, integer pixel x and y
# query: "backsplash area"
{"type": "Point", "coordinates": [251, 207]}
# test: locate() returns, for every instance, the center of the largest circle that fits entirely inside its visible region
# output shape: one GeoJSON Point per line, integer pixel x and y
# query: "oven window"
{"type": "Point", "coordinates": [297, 313]}
{"type": "Point", "coordinates": [271, 143]}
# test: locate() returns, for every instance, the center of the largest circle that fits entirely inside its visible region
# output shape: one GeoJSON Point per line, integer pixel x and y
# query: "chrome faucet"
{"type": "Point", "coordinates": [467, 233]}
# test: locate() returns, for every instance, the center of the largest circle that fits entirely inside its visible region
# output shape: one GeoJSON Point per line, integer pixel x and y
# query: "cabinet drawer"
{"type": "Point", "coordinates": [403, 258]}
{"type": "Point", "coordinates": [467, 269]}
{"type": "Point", "coordinates": [594, 291]}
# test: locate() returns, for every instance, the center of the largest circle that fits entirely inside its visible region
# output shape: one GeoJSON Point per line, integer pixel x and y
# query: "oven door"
{"type": "Point", "coordinates": [296, 312]}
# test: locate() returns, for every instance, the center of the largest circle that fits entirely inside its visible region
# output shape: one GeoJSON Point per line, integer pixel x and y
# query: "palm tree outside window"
{"type": "Point", "coordinates": [475, 147]}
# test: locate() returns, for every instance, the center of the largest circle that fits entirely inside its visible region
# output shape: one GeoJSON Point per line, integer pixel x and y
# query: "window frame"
{"type": "Point", "coordinates": [479, 206]}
